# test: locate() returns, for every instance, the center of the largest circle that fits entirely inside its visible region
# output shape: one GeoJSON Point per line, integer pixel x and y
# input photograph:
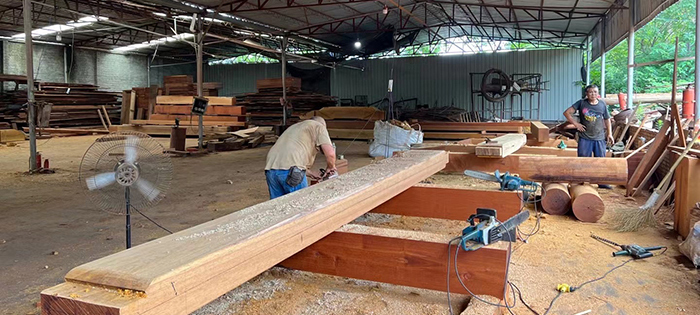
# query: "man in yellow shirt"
{"type": "Point", "coordinates": [292, 156]}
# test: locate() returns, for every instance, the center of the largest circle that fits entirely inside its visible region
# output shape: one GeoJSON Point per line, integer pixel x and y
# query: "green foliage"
{"type": "Point", "coordinates": [655, 41]}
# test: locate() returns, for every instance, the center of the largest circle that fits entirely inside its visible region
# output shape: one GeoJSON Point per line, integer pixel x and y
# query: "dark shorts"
{"type": "Point", "coordinates": [586, 148]}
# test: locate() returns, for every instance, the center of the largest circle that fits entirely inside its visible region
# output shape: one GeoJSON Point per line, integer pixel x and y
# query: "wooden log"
{"type": "Point", "coordinates": [473, 126]}
{"type": "Point", "coordinates": [586, 203]}
{"type": "Point", "coordinates": [539, 131]}
{"type": "Point", "coordinates": [557, 199]}
{"type": "Point", "coordinates": [457, 135]}
{"type": "Point", "coordinates": [440, 202]}
{"type": "Point", "coordinates": [181, 272]}
{"type": "Point", "coordinates": [526, 150]}
{"type": "Point", "coordinates": [502, 146]}
{"type": "Point", "coordinates": [546, 168]}
{"type": "Point", "coordinates": [11, 135]}
{"type": "Point", "coordinates": [403, 260]}
{"type": "Point", "coordinates": [687, 194]}
{"type": "Point", "coordinates": [655, 150]}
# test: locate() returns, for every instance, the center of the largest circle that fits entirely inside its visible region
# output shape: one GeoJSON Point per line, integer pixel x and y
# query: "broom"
{"type": "Point", "coordinates": [633, 219]}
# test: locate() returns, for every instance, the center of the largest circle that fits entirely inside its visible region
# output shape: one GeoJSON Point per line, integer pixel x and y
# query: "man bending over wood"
{"type": "Point", "coordinates": [292, 156]}
{"type": "Point", "coordinates": [593, 125]}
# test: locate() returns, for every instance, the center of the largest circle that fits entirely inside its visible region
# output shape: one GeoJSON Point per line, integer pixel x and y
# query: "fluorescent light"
{"type": "Point", "coordinates": [160, 14]}
{"type": "Point", "coordinates": [57, 28]}
{"type": "Point", "coordinates": [174, 38]}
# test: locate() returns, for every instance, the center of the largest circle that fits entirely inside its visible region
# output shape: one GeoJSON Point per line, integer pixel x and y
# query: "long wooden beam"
{"type": "Point", "coordinates": [403, 261]}
{"type": "Point", "coordinates": [546, 168]}
{"type": "Point", "coordinates": [471, 148]}
{"type": "Point", "coordinates": [179, 273]}
{"type": "Point", "coordinates": [440, 202]}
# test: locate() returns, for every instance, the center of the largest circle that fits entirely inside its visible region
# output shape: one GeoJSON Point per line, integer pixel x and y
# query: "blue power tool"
{"type": "Point", "coordinates": [488, 230]}
{"type": "Point", "coordinates": [507, 181]}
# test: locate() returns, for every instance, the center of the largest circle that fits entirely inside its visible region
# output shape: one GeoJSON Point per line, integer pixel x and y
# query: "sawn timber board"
{"type": "Point", "coordinates": [181, 272]}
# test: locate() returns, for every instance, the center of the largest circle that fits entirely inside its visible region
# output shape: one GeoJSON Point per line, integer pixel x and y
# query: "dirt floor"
{"type": "Point", "coordinates": [47, 227]}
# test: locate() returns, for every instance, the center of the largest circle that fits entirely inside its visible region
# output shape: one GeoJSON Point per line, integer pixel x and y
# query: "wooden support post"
{"type": "Point", "coordinates": [430, 201]}
{"type": "Point", "coordinates": [132, 106]}
{"type": "Point", "coordinates": [126, 107]}
{"type": "Point", "coordinates": [687, 194]}
{"type": "Point", "coordinates": [546, 168]}
{"type": "Point", "coordinates": [403, 261]}
{"type": "Point", "coordinates": [181, 272]}
{"type": "Point", "coordinates": [502, 146]}
{"type": "Point", "coordinates": [556, 199]}
{"type": "Point", "coordinates": [586, 203]}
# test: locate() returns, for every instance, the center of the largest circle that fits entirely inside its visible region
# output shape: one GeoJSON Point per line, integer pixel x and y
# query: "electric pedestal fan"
{"type": "Point", "coordinates": [125, 170]}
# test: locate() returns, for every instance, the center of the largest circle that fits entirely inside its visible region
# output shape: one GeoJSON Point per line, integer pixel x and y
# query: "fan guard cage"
{"type": "Point", "coordinates": [108, 152]}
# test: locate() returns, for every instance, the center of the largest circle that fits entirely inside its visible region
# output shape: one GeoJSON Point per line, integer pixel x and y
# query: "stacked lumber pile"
{"type": "Point", "coordinates": [221, 111]}
{"type": "Point", "coordinates": [237, 140]}
{"type": "Point", "coordinates": [264, 107]}
{"type": "Point", "coordinates": [183, 85]}
{"type": "Point", "coordinates": [348, 122]}
{"type": "Point", "coordinates": [73, 105]}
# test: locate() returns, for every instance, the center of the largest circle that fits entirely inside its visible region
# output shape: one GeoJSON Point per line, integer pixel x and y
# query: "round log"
{"type": "Point", "coordinates": [557, 199]}
{"type": "Point", "coordinates": [586, 203]}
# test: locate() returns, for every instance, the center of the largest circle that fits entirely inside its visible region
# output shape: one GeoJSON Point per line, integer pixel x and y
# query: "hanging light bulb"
{"type": "Point", "coordinates": [58, 36]}
{"type": "Point", "coordinates": [358, 45]}
{"type": "Point", "coordinates": [385, 10]}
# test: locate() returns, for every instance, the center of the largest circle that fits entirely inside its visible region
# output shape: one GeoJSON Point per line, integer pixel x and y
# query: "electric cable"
{"type": "Point", "coordinates": [152, 221]}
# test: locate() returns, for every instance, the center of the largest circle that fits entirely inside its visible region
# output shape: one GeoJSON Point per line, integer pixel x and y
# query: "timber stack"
{"type": "Point", "coordinates": [184, 85]}
{"type": "Point", "coordinates": [264, 107]}
{"type": "Point", "coordinates": [72, 105]}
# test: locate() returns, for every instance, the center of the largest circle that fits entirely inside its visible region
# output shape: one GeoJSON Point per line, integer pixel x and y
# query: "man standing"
{"type": "Point", "coordinates": [593, 125]}
{"type": "Point", "coordinates": [294, 153]}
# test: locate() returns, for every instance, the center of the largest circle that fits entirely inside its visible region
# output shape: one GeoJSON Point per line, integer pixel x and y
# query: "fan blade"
{"type": "Point", "coordinates": [130, 150]}
{"type": "Point", "coordinates": [101, 180]}
{"type": "Point", "coordinates": [147, 189]}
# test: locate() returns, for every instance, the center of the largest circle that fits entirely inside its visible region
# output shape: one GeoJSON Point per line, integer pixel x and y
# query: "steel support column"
{"type": "Point", "coordinates": [630, 55]}
{"type": "Point", "coordinates": [29, 53]}
{"type": "Point", "coordinates": [697, 69]}
{"type": "Point", "coordinates": [284, 82]}
{"type": "Point", "coordinates": [602, 73]}
{"type": "Point", "coordinates": [199, 47]}
{"type": "Point", "coordinates": [588, 60]}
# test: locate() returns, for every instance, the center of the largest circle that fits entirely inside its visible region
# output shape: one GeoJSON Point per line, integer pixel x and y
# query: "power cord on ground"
{"type": "Point", "coordinates": [152, 221]}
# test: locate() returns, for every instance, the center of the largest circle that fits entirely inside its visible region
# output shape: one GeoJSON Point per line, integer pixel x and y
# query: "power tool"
{"type": "Point", "coordinates": [488, 230]}
{"type": "Point", "coordinates": [507, 181]}
{"type": "Point", "coordinates": [326, 175]}
{"type": "Point", "coordinates": [634, 250]}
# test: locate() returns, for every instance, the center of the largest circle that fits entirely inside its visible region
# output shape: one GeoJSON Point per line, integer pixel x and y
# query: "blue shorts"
{"type": "Point", "coordinates": [277, 183]}
{"type": "Point", "coordinates": [587, 147]}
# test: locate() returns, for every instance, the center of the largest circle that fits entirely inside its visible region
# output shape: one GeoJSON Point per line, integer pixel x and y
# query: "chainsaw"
{"type": "Point", "coordinates": [507, 181]}
{"type": "Point", "coordinates": [488, 230]}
